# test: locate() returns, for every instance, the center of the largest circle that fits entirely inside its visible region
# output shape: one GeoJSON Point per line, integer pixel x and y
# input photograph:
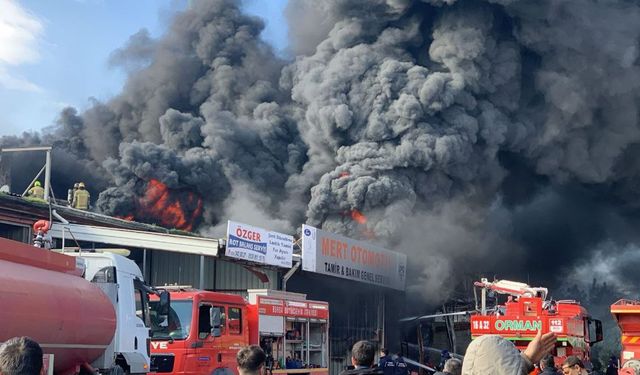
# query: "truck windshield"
{"type": "Point", "coordinates": [178, 324]}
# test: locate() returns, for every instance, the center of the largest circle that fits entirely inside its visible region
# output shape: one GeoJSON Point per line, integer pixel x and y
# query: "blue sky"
{"type": "Point", "coordinates": [55, 53]}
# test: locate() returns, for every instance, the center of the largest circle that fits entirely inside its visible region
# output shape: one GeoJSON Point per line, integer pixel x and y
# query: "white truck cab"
{"type": "Point", "coordinates": [121, 280]}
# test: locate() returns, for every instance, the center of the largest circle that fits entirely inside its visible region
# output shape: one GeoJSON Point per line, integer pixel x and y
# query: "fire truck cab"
{"type": "Point", "coordinates": [526, 311]}
{"type": "Point", "coordinates": [627, 315]}
{"type": "Point", "coordinates": [205, 330]}
{"type": "Point", "coordinates": [202, 334]}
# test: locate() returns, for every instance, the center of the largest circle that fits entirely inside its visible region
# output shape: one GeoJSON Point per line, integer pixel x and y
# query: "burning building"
{"type": "Point", "coordinates": [485, 137]}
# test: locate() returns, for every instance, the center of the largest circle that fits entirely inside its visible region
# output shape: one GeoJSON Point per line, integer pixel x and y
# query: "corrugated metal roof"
{"type": "Point", "coordinates": [19, 208]}
{"type": "Point", "coordinates": [136, 238]}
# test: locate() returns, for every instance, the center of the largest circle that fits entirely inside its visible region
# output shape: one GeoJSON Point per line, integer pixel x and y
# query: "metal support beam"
{"type": "Point", "coordinates": [483, 303]}
{"type": "Point", "coordinates": [383, 341]}
{"type": "Point", "coordinates": [24, 193]}
{"type": "Point", "coordinates": [420, 349]}
{"type": "Point", "coordinates": [201, 272]}
{"type": "Point", "coordinates": [21, 149]}
{"type": "Point", "coordinates": [47, 175]}
{"type": "Point", "coordinates": [144, 265]}
{"type": "Point", "coordinates": [47, 166]}
{"type": "Point", "coordinates": [288, 275]}
{"type": "Point", "coordinates": [425, 317]}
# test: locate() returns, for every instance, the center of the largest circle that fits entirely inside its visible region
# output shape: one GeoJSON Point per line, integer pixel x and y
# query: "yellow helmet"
{"type": "Point", "coordinates": [37, 183]}
{"type": "Point", "coordinates": [81, 185]}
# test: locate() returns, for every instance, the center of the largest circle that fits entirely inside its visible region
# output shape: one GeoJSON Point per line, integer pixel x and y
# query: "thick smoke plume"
{"type": "Point", "coordinates": [495, 138]}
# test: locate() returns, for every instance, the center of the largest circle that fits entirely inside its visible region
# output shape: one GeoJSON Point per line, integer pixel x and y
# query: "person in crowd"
{"type": "Point", "coordinates": [612, 366]}
{"type": "Point", "coordinates": [492, 354]}
{"type": "Point", "coordinates": [548, 366]}
{"type": "Point", "coordinates": [400, 366]}
{"type": "Point", "coordinates": [384, 356]}
{"type": "Point", "coordinates": [251, 360]}
{"type": "Point", "coordinates": [386, 363]}
{"type": "Point", "coordinates": [21, 356]}
{"type": "Point", "coordinates": [452, 366]}
{"type": "Point", "coordinates": [536, 369]}
{"type": "Point", "coordinates": [363, 359]}
{"type": "Point", "coordinates": [444, 357]}
{"type": "Point", "coordinates": [573, 366]}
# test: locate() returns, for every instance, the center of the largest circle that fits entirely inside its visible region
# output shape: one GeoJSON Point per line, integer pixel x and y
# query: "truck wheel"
{"type": "Point", "coordinates": [117, 370]}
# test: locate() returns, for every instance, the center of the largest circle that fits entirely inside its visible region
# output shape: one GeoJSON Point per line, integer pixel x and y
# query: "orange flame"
{"type": "Point", "coordinates": [358, 217]}
{"type": "Point", "coordinates": [344, 174]}
{"type": "Point", "coordinates": [127, 217]}
{"type": "Point", "coordinates": [169, 208]}
{"type": "Point", "coordinates": [361, 219]}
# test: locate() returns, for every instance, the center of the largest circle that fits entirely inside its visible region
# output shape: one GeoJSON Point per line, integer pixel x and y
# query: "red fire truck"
{"type": "Point", "coordinates": [627, 314]}
{"type": "Point", "coordinates": [527, 310]}
{"type": "Point", "coordinates": [205, 330]}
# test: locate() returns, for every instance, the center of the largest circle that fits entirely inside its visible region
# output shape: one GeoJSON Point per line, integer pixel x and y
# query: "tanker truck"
{"type": "Point", "coordinates": [90, 311]}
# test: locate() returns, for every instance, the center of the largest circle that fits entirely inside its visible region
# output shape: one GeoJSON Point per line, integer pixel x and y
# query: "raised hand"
{"type": "Point", "coordinates": [540, 346]}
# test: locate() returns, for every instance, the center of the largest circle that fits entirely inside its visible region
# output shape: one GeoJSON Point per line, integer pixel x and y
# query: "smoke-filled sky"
{"type": "Point", "coordinates": [494, 138]}
{"type": "Point", "coordinates": [55, 54]}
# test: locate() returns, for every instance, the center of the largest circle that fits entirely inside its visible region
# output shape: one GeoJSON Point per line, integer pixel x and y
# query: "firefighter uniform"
{"type": "Point", "coordinates": [36, 191]}
{"type": "Point", "coordinates": [388, 365]}
{"type": "Point", "coordinates": [81, 198]}
{"type": "Point", "coordinates": [401, 367]}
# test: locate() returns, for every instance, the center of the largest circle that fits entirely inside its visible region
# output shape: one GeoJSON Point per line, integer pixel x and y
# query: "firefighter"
{"type": "Point", "coordinates": [400, 366]}
{"type": "Point", "coordinates": [384, 356]}
{"type": "Point", "coordinates": [81, 198]}
{"type": "Point", "coordinates": [36, 191]}
{"type": "Point", "coordinates": [386, 362]}
{"type": "Point", "coordinates": [71, 193]}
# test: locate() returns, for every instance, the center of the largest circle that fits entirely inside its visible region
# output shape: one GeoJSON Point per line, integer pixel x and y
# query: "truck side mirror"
{"type": "Point", "coordinates": [598, 331]}
{"type": "Point", "coordinates": [215, 322]}
{"type": "Point", "coordinates": [599, 334]}
{"type": "Point", "coordinates": [164, 303]}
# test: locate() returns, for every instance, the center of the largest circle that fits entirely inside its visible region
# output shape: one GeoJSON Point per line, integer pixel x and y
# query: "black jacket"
{"type": "Point", "coordinates": [549, 371]}
{"type": "Point", "coordinates": [363, 371]}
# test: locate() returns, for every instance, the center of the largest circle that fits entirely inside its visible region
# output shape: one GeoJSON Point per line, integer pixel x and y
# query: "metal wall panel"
{"type": "Point", "coordinates": [184, 269]}
{"type": "Point", "coordinates": [233, 277]}
{"type": "Point", "coordinates": [176, 268]}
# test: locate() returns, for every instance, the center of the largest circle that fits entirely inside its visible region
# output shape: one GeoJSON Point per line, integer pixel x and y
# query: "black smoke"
{"type": "Point", "coordinates": [493, 138]}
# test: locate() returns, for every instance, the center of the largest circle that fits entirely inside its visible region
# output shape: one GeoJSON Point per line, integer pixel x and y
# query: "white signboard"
{"type": "Point", "coordinates": [259, 245]}
{"type": "Point", "coordinates": [335, 255]}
